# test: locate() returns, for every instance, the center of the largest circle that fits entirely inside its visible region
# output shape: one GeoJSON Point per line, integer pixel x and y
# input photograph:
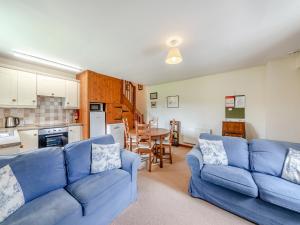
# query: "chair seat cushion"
{"type": "Point", "coordinates": [278, 191]}
{"type": "Point", "coordinates": [230, 177]}
{"type": "Point", "coordinates": [48, 209]}
{"type": "Point", "coordinates": [96, 190]}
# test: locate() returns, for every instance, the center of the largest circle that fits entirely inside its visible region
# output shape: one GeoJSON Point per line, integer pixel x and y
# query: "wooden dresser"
{"type": "Point", "coordinates": [235, 129]}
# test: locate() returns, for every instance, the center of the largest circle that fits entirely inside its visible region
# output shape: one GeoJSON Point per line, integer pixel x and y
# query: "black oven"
{"type": "Point", "coordinates": [53, 137]}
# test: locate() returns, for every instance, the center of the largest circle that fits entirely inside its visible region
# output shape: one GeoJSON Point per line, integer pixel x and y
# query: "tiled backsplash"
{"type": "Point", "coordinates": [49, 111]}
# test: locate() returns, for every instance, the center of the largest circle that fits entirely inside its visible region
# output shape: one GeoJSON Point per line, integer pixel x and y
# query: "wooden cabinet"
{"type": "Point", "coordinates": [235, 129]}
{"type": "Point", "coordinates": [29, 140]}
{"type": "Point", "coordinates": [8, 87]}
{"type": "Point", "coordinates": [74, 134]}
{"type": "Point", "coordinates": [72, 97]}
{"type": "Point", "coordinates": [51, 86]}
{"type": "Point", "coordinates": [27, 89]}
{"type": "Point", "coordinates": [114, 113]}
{"type": "Point", "coordinates": [103, 88]}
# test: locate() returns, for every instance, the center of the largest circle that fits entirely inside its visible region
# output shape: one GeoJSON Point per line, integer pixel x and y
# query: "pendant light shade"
{"type": "Point", "coordinates": [174, 56]}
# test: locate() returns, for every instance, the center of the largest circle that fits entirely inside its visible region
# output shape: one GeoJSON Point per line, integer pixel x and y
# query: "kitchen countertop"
{"type": "Point", "coordinates": [40, 126]}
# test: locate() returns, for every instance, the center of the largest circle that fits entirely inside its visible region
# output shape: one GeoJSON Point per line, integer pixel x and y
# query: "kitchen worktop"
{"type": "Point", "coordinates": [40, 126]}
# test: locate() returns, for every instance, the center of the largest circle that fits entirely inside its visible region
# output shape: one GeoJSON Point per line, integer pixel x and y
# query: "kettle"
{"type": "Point", "coordinates": [11, 121]}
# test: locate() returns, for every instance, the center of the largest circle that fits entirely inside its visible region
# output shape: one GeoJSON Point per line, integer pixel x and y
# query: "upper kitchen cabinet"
{"type": "Point", "coordinates": [72, 94]}
{"type": "Point", "coordinates": [8, 87]}
{"type": "Point", "coordinates": [51, 86]}
{"type": "Point", "coordinates": [27, 89]}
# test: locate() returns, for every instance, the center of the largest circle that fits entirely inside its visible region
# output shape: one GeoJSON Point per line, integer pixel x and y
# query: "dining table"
{"type": "Point", "coordinates": [157, 134]}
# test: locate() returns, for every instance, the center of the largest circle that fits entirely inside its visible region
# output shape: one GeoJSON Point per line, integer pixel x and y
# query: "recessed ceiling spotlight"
{"type": "Point", "coordinates": [174, 55]}
{"type": "Point", "coordinates": [48, 62]}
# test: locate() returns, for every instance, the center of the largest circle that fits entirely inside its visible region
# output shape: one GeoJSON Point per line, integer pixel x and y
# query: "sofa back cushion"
{"type": "Point", "coordinates": [78, 157]}
{"type": "Point", "coordinates": [38, 172]}
{"type": "Point", "coordinates": [267, 156]}
{"type": "Point", "coordinates": [236, 149]}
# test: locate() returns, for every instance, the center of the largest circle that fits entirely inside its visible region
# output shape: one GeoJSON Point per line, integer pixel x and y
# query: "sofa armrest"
{"type": "Point", "coordinates": [130, 163]}
{"type": "Point", "coordinates": [195, 160]}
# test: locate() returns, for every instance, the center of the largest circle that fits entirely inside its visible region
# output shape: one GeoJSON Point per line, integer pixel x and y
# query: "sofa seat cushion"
{"type": "Point", "coordinates": [230, 177]}
{"type": "Point", "coordinates": [278, 191]}
{"type": "Point", "coordinates": [48, 209]}
{"type": "Point", "coordinates": [94, 191]}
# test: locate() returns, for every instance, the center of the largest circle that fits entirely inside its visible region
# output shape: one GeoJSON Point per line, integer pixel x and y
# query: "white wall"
{"type": "Point", "coordinates": [267, 89]}
{"type": "Point", "coordinates": [30, 67]}
{"type": "Point", "coordinates": [283, 100]}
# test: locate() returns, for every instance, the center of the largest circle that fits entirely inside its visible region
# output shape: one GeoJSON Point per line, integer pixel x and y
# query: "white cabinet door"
{"type": "Point", "coordinates": [71, 100]}
{"type": "Point", "coordinates": [74, 134]}
{"type": "Point", "coordinates": [29, 140]}
{"type": "Point", "coordinates": [26, 89]}
{"type": "Point", "coordinates": [51, 86]}
{"type": "Point", "coordinates": [8, 87]}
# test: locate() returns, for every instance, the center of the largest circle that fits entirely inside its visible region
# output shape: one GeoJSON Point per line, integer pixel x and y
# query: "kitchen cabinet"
{"type": "Point", "coordinates": [8, 87]}
{"type": "Point", "coordinates": [29, 140]}
{"type": "Point", "coordinates": [72, 94]}
{"type": "Point", "coordinates": [74, 134]}
{"type": "Point", "coordinates": [51, 86]}
{"type": "Point", "coordinates": [26, 89]}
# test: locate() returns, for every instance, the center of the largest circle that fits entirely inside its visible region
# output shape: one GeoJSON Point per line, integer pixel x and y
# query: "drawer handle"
{"type": "Point", "coordinates": [33, 101]}
{"type": "Point", "coordinates": [34, 134]}
{"type": "Point", "coordinates": [68, 103]}
{"type": "Point", "coordinates": [52, 94]}
{"type": "Point", "coordinates": [14, 100]}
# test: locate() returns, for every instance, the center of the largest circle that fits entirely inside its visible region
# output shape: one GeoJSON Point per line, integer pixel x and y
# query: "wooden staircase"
{"type": "Point", "coordinates": [128, 99]}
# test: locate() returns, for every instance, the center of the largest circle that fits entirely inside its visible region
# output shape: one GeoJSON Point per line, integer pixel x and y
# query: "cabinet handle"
{"type": "Point", "coordinates": [70, 130]}
{"type": "Point", "coordinates": [14, 100]}
{"type": "Point", "coordinates": [52, 94]}
{"type": "Point", "coordinates": [21, 146]}
{"type": "Point", "coordinates": [33, 101]}
{"type": "Point", "coordinates": [68, 103]}
{"type": "Point", "coordinates": [34, 134]}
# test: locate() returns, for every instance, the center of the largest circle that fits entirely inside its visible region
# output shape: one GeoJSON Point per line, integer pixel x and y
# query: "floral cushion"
{"type": "Point", "coordinates": [11, 194]}
{"type": "Point", "coordinates": [291, 169]}
{"type": "Point", "coordinates": [213, 152]}
{"type": "Point", "coordinates": [105, 157]}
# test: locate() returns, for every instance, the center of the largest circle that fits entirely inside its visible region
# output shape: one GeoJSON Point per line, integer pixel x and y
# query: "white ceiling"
{"type": "Point", "coordinates": [126, 38]}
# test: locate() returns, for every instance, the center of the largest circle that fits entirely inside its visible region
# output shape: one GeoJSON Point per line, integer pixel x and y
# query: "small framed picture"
{"type": "Point", "coordinates": [153, 104]}
{"type": "Point", "coordinates": [173, 101]}
{"type": "Point", "coordinates": [140, 87]}
{"type": "Point", "coordinates": [153, 95]}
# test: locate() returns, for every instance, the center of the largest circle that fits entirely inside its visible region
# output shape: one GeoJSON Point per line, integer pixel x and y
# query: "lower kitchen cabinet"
{"type": "Point", "coordinates": [29, 140]}
{"type": "Point", "coordinates": [74, 134]}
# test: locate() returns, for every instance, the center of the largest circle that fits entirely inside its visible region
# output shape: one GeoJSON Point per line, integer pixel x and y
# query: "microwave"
{"type": "Point", "coordinates": [97, 107]}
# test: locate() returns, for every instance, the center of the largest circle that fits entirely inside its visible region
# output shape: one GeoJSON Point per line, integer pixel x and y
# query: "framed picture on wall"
{"type": "Point", "coordinates": [140, 87]}
{"type": "Point", "coordinates": [173, 101]}
{"type": "Point", "coordinates": [153, 95]}
{"type": "Point", "coordinates": [153, 105]}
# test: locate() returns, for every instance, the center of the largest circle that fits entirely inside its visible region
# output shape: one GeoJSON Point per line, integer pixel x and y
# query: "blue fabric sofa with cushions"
{"type": "Point", "coordinates": [59, 189]}
{"type": "Point", "coordinates": [251, 185]}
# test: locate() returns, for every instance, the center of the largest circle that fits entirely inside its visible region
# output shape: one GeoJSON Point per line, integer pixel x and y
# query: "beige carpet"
{"type": "Point", "coordinates": [163, 199]}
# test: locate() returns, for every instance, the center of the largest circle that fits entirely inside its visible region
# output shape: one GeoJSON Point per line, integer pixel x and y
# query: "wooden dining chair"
{"type": "Point", "coordinates": [130, 140]}
{"type": "Point", "coordinates": [144, 143]}
{"type": "Point", "coordinates": [167, 143]}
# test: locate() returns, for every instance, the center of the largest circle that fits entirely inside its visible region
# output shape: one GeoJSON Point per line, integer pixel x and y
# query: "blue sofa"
{"type": "Point", "coordinates": [59, 189]}
{"type": "Point", "coordinates": [250, 186]}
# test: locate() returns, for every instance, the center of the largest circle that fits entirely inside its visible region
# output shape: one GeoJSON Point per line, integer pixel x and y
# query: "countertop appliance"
{"type": "Point", "coordinates": [117, 131]}
{"type": "Point", "coordinates": [97, 120]}
{"type": "Point", "coordinates": [11, 121]}
{"type": "Point", "coordinates": [53, 137]}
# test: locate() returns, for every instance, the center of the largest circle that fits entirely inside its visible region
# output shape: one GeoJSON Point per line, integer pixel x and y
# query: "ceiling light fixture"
{"type": "Point", "coordinates": [174, 55]}
{"type": "Point", "coordinates": [46, 61]}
